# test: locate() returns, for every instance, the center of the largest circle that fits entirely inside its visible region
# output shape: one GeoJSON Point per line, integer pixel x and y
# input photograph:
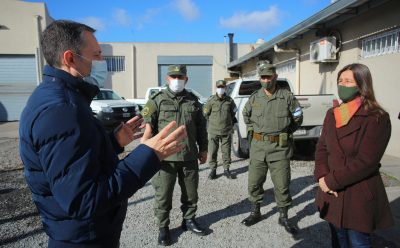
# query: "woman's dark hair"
{"type": "Point", "coordinates": [363, 78]}
{"type": "Point", "coordinates": [60, 36]}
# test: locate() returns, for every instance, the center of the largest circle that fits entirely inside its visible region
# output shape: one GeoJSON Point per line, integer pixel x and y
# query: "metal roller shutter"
{"type": "Point", "coordinates": [18, 79]}
{"type": "Point", "coordinates": [199, 71]}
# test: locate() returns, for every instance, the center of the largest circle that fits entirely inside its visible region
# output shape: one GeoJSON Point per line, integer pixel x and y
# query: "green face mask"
{"type": "Point", "coordinates": [268, 86]}
{"type": "Point", "coordinates": [347, 93]}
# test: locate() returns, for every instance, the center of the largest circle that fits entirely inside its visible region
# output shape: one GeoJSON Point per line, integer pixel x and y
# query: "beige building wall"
{"type": "Point", "coordinates": [142, 67]}
{"type": "Point", "coordinates": [23, 23]}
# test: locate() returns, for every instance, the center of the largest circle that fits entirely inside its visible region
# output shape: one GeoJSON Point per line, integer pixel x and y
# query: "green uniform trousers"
{"type": "Point", "coordinates": [213, 145]}
{"type": "Point", "coordinates": [164, 182]}
{"type": "Point", "coordinates": [280, 175]}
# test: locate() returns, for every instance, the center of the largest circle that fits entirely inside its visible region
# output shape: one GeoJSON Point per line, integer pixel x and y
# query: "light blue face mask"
{"type": "Point", "coordinates": [98, 72]}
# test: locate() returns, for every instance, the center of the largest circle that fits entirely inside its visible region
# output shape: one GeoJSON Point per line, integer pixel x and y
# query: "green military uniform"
{"type": "Point", "coordinates": [185, 109]}
{"type": "Point", "coordinates": [271, 120]}
{"type": "Point", "coordinates": [220, 114]}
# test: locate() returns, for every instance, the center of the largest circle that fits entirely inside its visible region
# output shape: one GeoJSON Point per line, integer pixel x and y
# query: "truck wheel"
{"type": "Point", "coordinates": [237, 145]}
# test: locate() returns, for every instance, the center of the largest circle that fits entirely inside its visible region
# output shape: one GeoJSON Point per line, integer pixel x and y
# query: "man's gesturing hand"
{"type": "Point", "coordinates": [125, 133]}
{"type": "Point", "coordinates": [165, 143]}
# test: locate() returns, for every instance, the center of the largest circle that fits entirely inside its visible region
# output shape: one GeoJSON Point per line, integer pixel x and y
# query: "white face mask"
{"type": "Point", "coordinates": [98, 72]}
{"type": "Point", "coordinates": [176, 85]}
{"type": "Point", "coordinates": [220, 91]}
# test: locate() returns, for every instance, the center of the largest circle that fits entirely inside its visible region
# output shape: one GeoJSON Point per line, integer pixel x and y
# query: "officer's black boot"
{"type": "Point", "coordinates": [213, 174]}
{"type": "Point", "coordinates": [254, 217]}
{"type": "Point", "coordinates": [228, 174]}
{"type": "Point", "coordinates": [164, 237]}
{"type": "Point", "coordinates": [284, 221]}
{"type": "Point", "coordinates": [193, 226]}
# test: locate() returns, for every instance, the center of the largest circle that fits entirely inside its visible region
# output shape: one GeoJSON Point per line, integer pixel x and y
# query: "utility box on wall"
{"type": "Point", "coordinates": [323, 50]}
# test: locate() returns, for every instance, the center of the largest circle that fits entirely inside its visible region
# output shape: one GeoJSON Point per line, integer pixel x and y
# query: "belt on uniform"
{"type": "Point", "coordinates": [265, 137]}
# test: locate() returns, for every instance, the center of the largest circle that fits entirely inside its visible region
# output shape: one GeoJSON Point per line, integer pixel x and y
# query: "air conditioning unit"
{"type": "Point", "coordinates": [323, 50]}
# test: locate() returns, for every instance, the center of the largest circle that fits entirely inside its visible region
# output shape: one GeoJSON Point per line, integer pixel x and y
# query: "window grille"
{"type": "Point", "coordinates": [287, 67]}
{"type": "Point", "coordinates": [115, 63]}
{"type": "Point", "coordinates": [381, 44]}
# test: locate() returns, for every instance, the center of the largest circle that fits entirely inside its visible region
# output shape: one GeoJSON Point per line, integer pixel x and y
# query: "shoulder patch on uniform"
{"type": "Point", "coordinates": [145, 111]}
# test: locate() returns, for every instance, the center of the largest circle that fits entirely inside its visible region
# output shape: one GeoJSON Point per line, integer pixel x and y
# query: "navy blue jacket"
{"type": "Point", "coordinates": [78, 183]}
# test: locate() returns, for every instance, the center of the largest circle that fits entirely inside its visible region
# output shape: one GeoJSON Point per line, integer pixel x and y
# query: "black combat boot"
{"type": "Point", "coordinates": [193, 226]}
{"type": "Point", "coordinates": [164, 237]}
{"type": "Point", "coordinates": [284, 221]}
{"type": "Point", "coordinates": [213, 174]}
{"type": "Point", "coordinates": [254, 217]}
{"type": "Point", "coordinates": [228, 174]}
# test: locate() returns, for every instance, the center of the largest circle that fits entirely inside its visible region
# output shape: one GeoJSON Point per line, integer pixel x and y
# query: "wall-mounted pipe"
{"type": "Point", "coordinates": [297, 51]}
{"type": "Point", "coordinates": [38, 50]}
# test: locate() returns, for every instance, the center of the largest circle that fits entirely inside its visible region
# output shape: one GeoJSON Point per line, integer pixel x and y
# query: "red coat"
{"type": "Point", "coordinates": [349, 159]}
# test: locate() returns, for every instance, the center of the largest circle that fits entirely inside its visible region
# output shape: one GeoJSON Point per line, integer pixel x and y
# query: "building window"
{"type": "Point", "coordinates": [115, 63]}
{"type": "Point", "coordinates": [287, 67]}
{"type": "Point", "coordinates": [381, 44]}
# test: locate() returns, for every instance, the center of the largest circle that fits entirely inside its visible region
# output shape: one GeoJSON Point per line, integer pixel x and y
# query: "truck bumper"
{"type": "Point", "coordinates": [307, 132]}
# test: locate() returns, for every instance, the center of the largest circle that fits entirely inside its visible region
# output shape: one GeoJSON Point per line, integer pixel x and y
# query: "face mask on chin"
{"type": "Point", "coordinates": [268, 86]}
{"type": "Point", "coordinates": [98, 73]}
{"type": "Point", "coordinates": [177, 85]}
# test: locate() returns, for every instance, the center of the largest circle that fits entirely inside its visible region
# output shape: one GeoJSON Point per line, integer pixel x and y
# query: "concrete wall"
{"type": "Point", "coordinates": [142, 68]}
{"type": "Point", "coordinates": [21, 20]}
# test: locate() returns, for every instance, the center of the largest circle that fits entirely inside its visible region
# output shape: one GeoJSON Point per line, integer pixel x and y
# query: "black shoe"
{"type": "Point", "coordinates": [254, 217]}
{"type": "Point", "coordinates": [193, 226]}
{"type": "Point", "coordinates": [284, 221]}
{"type": "Point", "coordinates": [228, 174]}
{"type": "Point", "coordinates": [213, 174]}
{"type": "Point", "coordinates": [164, 237]}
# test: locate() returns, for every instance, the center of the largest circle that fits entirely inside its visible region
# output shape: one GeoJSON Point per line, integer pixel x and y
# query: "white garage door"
{"type": "Point", "coordinates": [18, 78]}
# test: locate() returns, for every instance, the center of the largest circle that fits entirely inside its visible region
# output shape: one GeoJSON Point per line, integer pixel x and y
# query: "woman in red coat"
{"type": "Point", "coordinates": [351, 194]}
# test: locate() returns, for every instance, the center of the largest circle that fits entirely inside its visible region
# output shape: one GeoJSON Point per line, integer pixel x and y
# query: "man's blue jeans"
{"type": "Point", "coordinates": [344, 238]}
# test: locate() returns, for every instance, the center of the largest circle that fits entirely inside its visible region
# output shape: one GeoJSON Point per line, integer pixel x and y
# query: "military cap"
{"type": "Point", "coordinates": [264, 68]}
{"type": "Point", "coordinates": [177, 70]}
{"type": "Point", "coordinates": [220, 83]}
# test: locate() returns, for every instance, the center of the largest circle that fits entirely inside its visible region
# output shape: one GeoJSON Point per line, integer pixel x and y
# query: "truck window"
{"type": "Point", "coordinates": [248, 87]}
{"type": "Point", "coordinates": [229, 88]}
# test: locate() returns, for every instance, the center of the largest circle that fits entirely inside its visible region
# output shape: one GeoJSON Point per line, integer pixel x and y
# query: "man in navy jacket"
{"type": "Point", "coordinates": [78, 183]}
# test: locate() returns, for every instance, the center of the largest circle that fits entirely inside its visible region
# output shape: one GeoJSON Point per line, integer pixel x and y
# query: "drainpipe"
{"type": "Point", "coordinates": [297, 51]}
{"type": "Point", "coordinates": [230, 35]}
{"type": "Point", "coordinates": [38, 52]}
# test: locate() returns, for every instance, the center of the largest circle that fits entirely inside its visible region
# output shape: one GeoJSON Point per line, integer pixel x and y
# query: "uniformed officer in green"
{"type": "Point", "coordinates": [220, 112]}
{"type": "Point", "coordinates": [271, 114]}
{"type": "Point", "coordinates": [176, 104]}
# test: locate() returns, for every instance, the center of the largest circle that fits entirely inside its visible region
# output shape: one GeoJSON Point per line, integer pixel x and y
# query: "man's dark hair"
{"type": "Point", "coordinates": [60, 36]}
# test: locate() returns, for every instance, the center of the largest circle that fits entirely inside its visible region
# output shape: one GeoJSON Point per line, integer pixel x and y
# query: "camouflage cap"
{"type": "Point", "coordinates": [177, 70]}
{"type": "Point", "coordinates": [220, 83]}
{"type": "Point", "coordinates": [264, 68]}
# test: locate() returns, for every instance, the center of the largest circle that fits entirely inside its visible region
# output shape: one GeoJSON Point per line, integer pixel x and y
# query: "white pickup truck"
{"type": "Point", "coordinates": [153, 90]}
{"type": "Point", "coordinates": [314, 109]}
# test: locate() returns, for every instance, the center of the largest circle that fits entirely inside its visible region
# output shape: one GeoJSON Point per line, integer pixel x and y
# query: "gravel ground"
{"type": "Point", "coordinates": [222, 206]}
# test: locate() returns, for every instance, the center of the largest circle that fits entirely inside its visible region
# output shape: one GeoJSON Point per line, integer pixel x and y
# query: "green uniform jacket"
{"type": "Point", "coordinates": [220, 114]}
{"type": "Point", "coordinates": [185, 109]}
{"type": "Point", "coordinates": [280, 113]}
